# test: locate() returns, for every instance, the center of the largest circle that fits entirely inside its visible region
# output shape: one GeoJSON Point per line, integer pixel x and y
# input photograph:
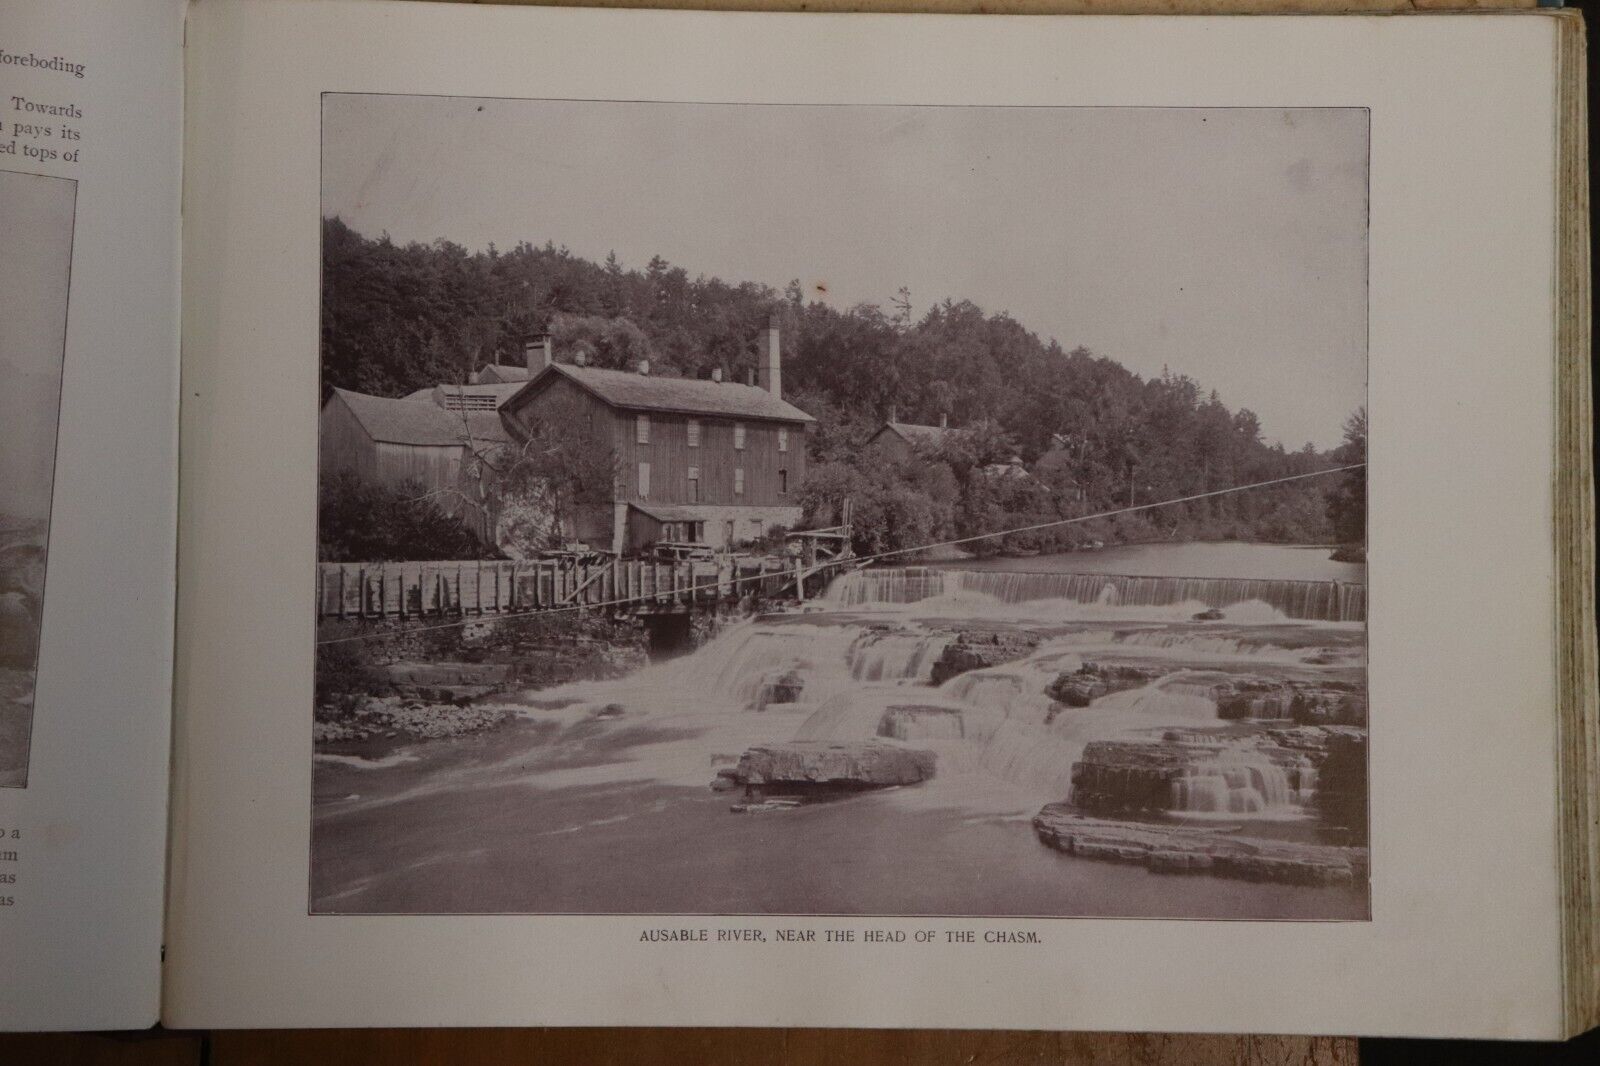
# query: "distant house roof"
{"type": "Point", "coordinates": [689, 396]}
{"type": "Point", "coordinates": [913, 434]}
{"type": "Point", "coordinates": [420, 421]}
{"type": "Point", "coordinates": [499, 373]}
{"type": "Point", "coordinates": [1012, 468]}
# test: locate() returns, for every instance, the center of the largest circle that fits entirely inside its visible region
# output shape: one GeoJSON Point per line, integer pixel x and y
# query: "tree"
{"type": "Point", "coordinates": [533, 491]}
{"type": "Point", "coordinates": [358, 521]}
{"type": "Point", "coordinates": [1347, 503]}
{"type": "Point", "coordinates": [614, 343]}
{"type": "Point", "coordinates": [397, 318]}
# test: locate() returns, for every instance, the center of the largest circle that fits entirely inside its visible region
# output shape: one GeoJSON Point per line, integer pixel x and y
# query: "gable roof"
{"type": "Point", "coordinates": [689, 396]}
{"type": "Point", "coordinates": [913, 434]}
{"type": "Point", "coordinates": [419, 422]}
{"type": "Point", "coordinates": [498, 373]}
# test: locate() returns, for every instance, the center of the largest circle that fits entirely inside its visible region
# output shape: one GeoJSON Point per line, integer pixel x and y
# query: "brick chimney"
{"type": "Point", "coordinates": [644, 367]}
{"type": "Point", "coordinates": [537, 352]}
{"type": "Point", "coordinates": [769, 365]}
{"type": "Point", "coordinates": [716, 373]}
{"type": "Point", "coordinates": [892, 413]}
{"type": "Point", "coordinates": [944, 420]}
{"type": "Point", "coordinates": [581, 359]}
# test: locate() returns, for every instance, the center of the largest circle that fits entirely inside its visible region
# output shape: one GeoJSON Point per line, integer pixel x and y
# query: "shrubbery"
{"type": "Point", "coordinates": [361, 522]}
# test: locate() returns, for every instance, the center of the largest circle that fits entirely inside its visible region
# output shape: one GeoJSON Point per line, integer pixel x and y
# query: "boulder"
{"type": "Point", "coordinates": [1253, 697]}
{"type": "Point", "coordinates": [1187, 850]}
{"type": "Point", "coordinates": [1322, 705]}
{"type": "Point", "coordinates": [784, 689]}
{"type": "Point", "coordinates": [1342, 784]}
{"type": "Point", "coordinates": [980, 649]}
{"type": "Point", "coordinates": [1116, 776]}
{"type": "Point", "coordinates": [801, 767]}
{"type": "Point", "coordinates": [1093, 680]}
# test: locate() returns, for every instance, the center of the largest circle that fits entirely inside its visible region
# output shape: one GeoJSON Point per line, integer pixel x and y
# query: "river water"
{"type": "Point", "coordinates": [1191, 559]}
{"type": "Point", "coordinates": [595, 798]}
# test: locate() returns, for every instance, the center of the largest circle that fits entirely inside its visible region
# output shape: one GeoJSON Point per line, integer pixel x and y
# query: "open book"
{"type": "Point", "coordinates": [730, 519]}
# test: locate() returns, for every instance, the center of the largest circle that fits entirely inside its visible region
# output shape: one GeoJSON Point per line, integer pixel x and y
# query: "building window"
{"type": "Point", "coordinates": [755, 529]}
{"type": "Point", "coordinates": [694, 484]}
{"type": "Point", "coordinates": [783, 438]}
{"type": "Point", "coordinates": [738, 436]}
{"type": "Point", "coordinates": [644, 480]}
{"type": "Point", "coordinates": [738, 481]}
{"type": "Point", "coordinates": [727, 533]}
{"type": "Point", "coordinates": [783, 481]}
{"type": "Point", "coordinates": [694, 433]}
{"type": "Point", "coordinates": [641, 426]}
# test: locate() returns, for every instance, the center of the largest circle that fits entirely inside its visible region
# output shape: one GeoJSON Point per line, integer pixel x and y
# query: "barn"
{"type": "Point", "coordinates": [390, 442]}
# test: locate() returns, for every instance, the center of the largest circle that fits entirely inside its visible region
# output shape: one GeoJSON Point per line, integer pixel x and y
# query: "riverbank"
{"type": "Point", "coordinates": [401, 683]}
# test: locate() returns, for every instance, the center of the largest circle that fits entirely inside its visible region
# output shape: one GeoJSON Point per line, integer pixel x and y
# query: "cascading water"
{"type": "Point", "coordinates": [895, 656]}
{"type": "Point", "coordinates": [848, 682]}
{"type": "Point", "coordinates": [1328, 601]}
{"type": "Point", "coordinates": [1242, 782]}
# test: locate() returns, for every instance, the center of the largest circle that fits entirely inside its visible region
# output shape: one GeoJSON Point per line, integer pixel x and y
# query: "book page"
{"type": "Point", "coordinates": [789, 520]}
{"type": "Point", "coordinates": [90, 111]}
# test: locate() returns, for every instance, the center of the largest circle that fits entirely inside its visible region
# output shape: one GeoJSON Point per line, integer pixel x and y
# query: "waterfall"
{"type": "Point", "coordinates": [1241, 781]}
{"type": "Point", "coordinates": [895, 656]}
{"type": "Point", "coordinates": [886, 585]}
{"type": "Point", "coordinates": [1015, 691]}
{"type": "Point", "coordinates": [1166, 701]}
{"type": "Point", "coordinates": [835, 680]}
{"type": "Point", "coordinates": [1327, 601]}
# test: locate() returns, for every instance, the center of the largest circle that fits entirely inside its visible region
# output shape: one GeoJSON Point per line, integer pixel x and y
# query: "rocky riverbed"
{"type": "Point", "coordinates": [1075, 761]}
{"type": "Point", "coordinates": [820, 771]}
{"type": "Point", "coordinates": [1198, 850]}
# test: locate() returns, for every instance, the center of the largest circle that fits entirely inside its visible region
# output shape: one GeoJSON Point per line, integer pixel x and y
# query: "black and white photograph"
{"type": "Point", "coordinates": [826, 510]}
{"type": "Point", "coordinates": [36, 221]}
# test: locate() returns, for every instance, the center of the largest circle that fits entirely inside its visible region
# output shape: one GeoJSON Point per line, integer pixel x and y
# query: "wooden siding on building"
{"type": "Point", "coordinates": [670, 458]}
{"type": "Point", "coordinates": [343, 445]}
{"type": "Point", "coordinates": [670, 455]}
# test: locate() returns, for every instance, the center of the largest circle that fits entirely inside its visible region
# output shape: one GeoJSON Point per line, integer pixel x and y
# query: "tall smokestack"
{"type": "Point", "coordinates": [537, 352]}
{"type": "Point", "coordinates": [769, 363]}
{"type": "Point", "coordinates": [944, 420]}
{"type": "Point", "coordinates": [892, 414]}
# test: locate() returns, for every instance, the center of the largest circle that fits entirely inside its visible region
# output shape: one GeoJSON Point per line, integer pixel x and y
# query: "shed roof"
{"type": "Point", "coordinates": [690, 396]}
{"type": "Point", "coordinates": [419, 422]}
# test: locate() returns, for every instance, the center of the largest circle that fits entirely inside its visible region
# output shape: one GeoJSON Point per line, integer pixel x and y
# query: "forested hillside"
{"type": "Point", "coordinates": [399, 317]}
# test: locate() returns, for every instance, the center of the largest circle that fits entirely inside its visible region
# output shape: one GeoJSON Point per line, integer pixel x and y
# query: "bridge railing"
{"type": "Point", "coordinates": [493, 587]}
